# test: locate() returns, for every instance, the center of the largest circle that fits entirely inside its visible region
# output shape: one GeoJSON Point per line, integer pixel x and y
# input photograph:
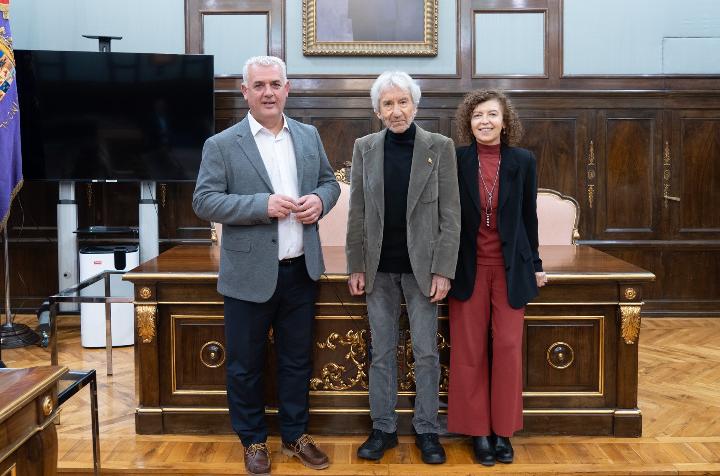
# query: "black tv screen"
{"type": "Point", "coordinates": [113, 116]}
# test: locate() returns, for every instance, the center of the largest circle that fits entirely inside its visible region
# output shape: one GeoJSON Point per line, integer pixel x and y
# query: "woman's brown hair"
{"type": "Point", "coordinates": [512, 131]}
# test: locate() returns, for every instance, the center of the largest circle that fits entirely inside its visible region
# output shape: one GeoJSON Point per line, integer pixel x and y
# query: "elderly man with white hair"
{"type": "Point", "coordinates": [402, 241]}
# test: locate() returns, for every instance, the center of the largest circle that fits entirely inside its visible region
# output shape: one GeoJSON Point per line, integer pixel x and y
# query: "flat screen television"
{"type": "Point", "coordinates": [113, 116]}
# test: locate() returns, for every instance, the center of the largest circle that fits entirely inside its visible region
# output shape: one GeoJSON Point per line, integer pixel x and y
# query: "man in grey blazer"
{"type": "Point", "coordinates": [402, 240]}
{"type": "Point", "coordinates": [268, 181]}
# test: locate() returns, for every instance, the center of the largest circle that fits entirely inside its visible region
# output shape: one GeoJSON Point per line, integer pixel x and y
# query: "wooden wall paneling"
{"type": "Point", "coordinates": [429, 124]}
{"type": "Point", "coordinates": [628, 153]}
{"type": "Point", "coordinates": [557, 139]}
{"type": "Point", "coordinates": [178, 222]}
{"type": "Point", "coordinates": [338, 136]}
{"type": "Point", "coordinates": [690, 277]}
{"type": "Point", "coordinates": [32, 247]}
{"type": "Point", "coordinates": [695, 169]}
{"type": "Point", "coordinates": [33, 273]}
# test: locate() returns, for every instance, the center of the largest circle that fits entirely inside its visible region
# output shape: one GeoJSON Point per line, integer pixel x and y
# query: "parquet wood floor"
{"type": "Point", "coordinates": [679, 395]}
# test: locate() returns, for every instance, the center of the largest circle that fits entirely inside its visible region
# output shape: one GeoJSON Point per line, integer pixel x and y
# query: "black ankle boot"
{"type": "Point", "coordinates": [503, 449]}
{"type": "Point", "coordinates": [484, 450]}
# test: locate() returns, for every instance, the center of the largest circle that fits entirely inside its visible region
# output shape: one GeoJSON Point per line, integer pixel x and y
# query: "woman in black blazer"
{"type": "Point", "coordinates": [498, 272]}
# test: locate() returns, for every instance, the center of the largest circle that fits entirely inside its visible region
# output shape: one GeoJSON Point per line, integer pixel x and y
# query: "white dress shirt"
{"type": "Point", "coordinates": [278, 155]}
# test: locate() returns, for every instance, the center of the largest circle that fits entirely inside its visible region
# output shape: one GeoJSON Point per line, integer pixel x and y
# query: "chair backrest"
{"type": "Point", "coordinates": [558, 217]}
{"type": "Point", "coordinates": [215, 233]}
{"type": "Point", "coordinates": [333, 226]}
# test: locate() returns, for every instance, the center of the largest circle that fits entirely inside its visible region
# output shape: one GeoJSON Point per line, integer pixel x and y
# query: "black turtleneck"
{"type": "Point", "coordinates": [398, 149]}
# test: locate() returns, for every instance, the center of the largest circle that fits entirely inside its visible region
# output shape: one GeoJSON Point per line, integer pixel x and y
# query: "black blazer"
{"type": "Point", "coordinates": [517, 223]}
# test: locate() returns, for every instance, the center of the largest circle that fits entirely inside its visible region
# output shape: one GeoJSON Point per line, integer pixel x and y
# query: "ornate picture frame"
{"type": "Point", "coordinates": [361, 28]}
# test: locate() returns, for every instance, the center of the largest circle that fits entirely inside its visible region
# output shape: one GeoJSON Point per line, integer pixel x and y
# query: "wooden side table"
{"type": "Point", "coordinates": [28, 406]}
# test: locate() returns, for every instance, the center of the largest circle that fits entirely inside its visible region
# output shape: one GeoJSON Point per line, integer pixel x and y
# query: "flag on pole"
{"type": "Point", "coordinates": [10, 161]}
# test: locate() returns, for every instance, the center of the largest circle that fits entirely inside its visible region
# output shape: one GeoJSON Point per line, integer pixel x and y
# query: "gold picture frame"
{"type": "Point", "coordinates": [360, 28]}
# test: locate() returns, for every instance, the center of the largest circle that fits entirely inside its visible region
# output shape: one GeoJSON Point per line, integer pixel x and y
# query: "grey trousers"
{"type": "Point", "coordinates": [383, 305]}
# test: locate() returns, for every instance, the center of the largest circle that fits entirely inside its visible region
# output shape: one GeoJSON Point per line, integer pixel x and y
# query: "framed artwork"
{"type": "Point", "coordinates": [370, 27]}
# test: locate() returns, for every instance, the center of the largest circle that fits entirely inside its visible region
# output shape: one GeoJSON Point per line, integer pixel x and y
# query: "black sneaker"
{"type": "Point", "coordinates": [376, 444]}
{"type": "Point", "coordinates": [430, 448]}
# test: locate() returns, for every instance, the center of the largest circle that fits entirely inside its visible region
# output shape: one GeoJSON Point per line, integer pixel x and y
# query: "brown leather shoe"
{"type": "Point", "coordinates": [305, 450]}
{"type": "Point", "coordinates": [257, 459]}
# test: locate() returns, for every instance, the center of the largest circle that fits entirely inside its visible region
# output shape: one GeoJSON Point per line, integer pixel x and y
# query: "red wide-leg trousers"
{"type": "Point", "coordinates": [482, 400]}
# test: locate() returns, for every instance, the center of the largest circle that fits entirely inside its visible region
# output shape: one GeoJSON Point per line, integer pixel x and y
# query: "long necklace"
{"type": "Point", "coordinates": [489, 193]}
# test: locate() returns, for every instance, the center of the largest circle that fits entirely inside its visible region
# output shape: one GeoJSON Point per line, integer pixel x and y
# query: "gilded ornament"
{"type": "Point", "coordinates": [145, 292]}
{"type": "Point", "coordinates": [332, 375]}
{"type": "Point", "coordinates": [630, 323]}
{"type": "Point", "coordinates": [560, 355]}
{"type": "Point", "coordinates": [630, 294]}
{"type": "Point", "coordinates": [146, 322]}
{"type": "Point", "coordinates": [407, 381]}
{"type": "Point", "coordinates": [47, 405]}
{"type": "Point", "coordinates": [212, 354]}
{"type": "Point", "coordinates": [343, 174]}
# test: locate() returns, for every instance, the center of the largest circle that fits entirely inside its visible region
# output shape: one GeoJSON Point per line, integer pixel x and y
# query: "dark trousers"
{"type": "Point", "coordinates": [291, 312]}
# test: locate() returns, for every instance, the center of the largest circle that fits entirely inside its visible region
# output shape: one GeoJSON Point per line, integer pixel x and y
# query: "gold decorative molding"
{"type": "Point", "coordinates": [560, 355]}
{"type": "Point", "coordinates": [47, 405]}
{"type": "Point", "coordinates": [313, 47]}
{"type": "Point", "coordinates": [591, 173]}
{"type": "Point", "coordinates": [343, 174]}
{"type": "Point", "coordinates": [89, 194]}
{"type": "Point", "coordinates": [212, 354]}
{"type": "Point", "coordinates": [630, 293]}
{"type": "Point", "coordinates": [213, 233]}
{"type": "Point", "coordinates": [332, 376]}
{"type": "Point", "coordinates": [145, 292]}
{"type": "Point", "coordinates": [145, 322]}
{"type": "Point", "coordinates": [630, 322]}
{"type": "Point", "coordinates": [667, 176]}
{"type": "Point", "coordinates": [407, 382]}
{"type": "Point", "coordinates": [11, 471]}
{"type": "Point", "coordinates": [163, 194]}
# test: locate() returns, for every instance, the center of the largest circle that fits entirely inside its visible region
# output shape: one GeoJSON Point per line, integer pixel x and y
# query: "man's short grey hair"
{"type": "Point", "coordinates": [264, 61]}
{"type": "Point", "coordinates": [391, 79]}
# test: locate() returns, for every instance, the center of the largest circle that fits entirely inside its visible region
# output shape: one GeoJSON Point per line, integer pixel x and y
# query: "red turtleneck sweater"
{"type": "Point", "coordinates": [489, 248]}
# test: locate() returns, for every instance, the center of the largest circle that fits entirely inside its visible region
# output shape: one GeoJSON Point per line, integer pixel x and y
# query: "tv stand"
{"type": "Point", "coordinates": [67, 223]}
{"type": "Point", "coordinates": [148, 222]}
{"type": "Point", "coordinates": [67, 229]}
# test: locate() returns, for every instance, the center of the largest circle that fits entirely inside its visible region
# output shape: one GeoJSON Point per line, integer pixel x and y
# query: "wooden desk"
{"type": "Point", "coordinates": [580, 348]}
{"type": "Point", "coordinates": [28, 406]}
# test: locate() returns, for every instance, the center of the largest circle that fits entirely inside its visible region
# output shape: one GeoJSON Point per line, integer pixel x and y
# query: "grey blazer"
{"type": "Point", "coordinates": [433, 208]}
{"type": "Point", "coordinates": [233, 188]}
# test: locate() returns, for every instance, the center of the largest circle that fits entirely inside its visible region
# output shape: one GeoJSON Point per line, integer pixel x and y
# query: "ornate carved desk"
{"type": "Point", "coordinates": [28, 406]}
{"type": "Point", "coordinates": [580, 348]}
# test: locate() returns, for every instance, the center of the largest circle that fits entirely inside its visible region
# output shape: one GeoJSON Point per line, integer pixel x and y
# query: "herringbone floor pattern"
{"type": "Point", "coordinates": [679, 395]}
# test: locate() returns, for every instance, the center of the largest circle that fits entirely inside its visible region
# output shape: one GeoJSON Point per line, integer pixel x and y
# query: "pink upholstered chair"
{"type": "Point", "coordinates": [558, 217]}
{"type": "Point", "coordinates": [215, 233]}
{"type": "Point", "coordinates": [333, 226]}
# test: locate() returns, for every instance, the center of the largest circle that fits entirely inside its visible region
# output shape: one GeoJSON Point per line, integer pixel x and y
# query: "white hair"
{"type": "Point", "coordinates": [264, 61]}
{"type": "Point", "coordinates": [391, 79]}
